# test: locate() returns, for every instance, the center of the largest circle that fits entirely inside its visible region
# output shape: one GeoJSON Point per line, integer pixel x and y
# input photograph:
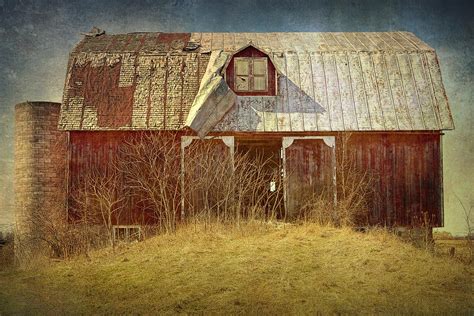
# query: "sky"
{"type": "Point", "coordinates": [36, 37]}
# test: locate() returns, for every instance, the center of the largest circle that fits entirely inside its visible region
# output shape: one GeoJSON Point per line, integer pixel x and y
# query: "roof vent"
{"type": "Point", "coordinates": [94, 32]}
{"type": "Point", "coordinates": [191, 46]}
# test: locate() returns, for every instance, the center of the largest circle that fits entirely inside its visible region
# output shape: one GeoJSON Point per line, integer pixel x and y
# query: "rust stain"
{"type": "Point", "coordinates": [100, 88]}
{"type": "Point", "coordinates": [172, 41]}
{"type": "Point", "coordinates": [371, 82]}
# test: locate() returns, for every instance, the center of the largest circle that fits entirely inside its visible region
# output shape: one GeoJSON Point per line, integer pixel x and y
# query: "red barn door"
{"type": "Point", "coordinates": [309, 171]}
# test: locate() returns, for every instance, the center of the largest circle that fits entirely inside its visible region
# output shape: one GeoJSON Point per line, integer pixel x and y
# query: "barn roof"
{"type": "Point", "coordinates": [385, 81]}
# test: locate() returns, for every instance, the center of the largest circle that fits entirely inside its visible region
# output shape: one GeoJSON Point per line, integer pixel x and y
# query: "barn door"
{"type": "Point", "coordinates": [309, 171]}
{"type": "Point", "coordinates": [201, 160]}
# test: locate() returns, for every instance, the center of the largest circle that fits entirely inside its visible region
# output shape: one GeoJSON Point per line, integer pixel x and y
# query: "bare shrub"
{"type": "Point", "coordinates": [354, 191]}
{"type": "Point", "coordinates": [149, 172]}
{"type": "Point", "coordinates": [217, 186]}
{"type": "Point", "coordinates": [51, 235]}
{"type": "Point", "coordinates": [95, 202]}
{"type": "Point", "coordinates": [6, 250]}
{"type": "Point", "coordinates": [420, 234]}
{"type": "Point", "coordinates": [208, 172]}
{"type": "Point", "coordinates": [150, 165]}
{"type": "Point", "coordinates": [319, 208]}
{"type": "Point", "coordinates": [229, 189]}
{"type": "Point", "coordinates": [98, 201]}
{"type": "Point", "coordinates": [355, 187]}
{"type": "Point", "coordinates": [468, 220]}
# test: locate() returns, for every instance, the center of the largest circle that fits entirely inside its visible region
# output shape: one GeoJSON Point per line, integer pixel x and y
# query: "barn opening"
{"type": "Point", "coordinates": [266, 151]}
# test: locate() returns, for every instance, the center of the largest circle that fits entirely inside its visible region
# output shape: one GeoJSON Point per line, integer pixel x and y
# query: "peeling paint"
{"type": "Point", "coordinates": [326, 82]}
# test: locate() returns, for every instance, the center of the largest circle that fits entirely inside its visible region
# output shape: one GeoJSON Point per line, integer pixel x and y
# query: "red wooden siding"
{"type": "Point", "coordinates": [309, 171]}
{"type": "Point", "coordinates": [252, 52]}
{"type": "Point", "coordinates": [406, 170]}
{"type": "Point", "coordinates": [407, 174]}
{"type": "Point", "coordinates": [90, 150]}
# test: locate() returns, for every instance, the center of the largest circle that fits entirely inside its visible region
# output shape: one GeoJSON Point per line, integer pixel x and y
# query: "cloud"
{"type": "Point", "coordinates": [11, 75]}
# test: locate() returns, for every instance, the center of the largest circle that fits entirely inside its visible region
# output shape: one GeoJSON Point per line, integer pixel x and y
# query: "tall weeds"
{"type": "Point", "coordinates": [353, 188]}
{"type": "Point", "coordinates": [229, 189]}
{"type": "Point", "coordinates": [204, 182]}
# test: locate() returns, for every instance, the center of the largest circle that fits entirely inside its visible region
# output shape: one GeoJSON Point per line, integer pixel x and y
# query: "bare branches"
{"type": "Point", "coordinates": [149, 164]}
{"type": "Point", "coordinates": [146, 175]}
{"type": "Point", "coordinates": [99, 200]}
{"type": "Point", "coordinates": [228, 189]}
{"type": "Point", "coordinates": [354, 192]}
{"type": "Point", "coordinates": [467, 215]}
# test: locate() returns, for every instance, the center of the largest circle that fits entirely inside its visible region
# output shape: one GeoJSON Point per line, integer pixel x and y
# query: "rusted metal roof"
{"type": "Point", "coordinates": [327, 82]}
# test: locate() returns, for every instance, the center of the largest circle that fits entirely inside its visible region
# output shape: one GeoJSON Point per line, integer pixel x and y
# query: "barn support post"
{"type": "Point", "coordinates": [229, 142]}
{"type": "Point", "coordinates": [334, 170]}
{"type": "Point", "coordinates": [441, 180]}
{"type": "Point", "coordinates": [287, 142]}
{"type": "Point", "coordinates": [185, 142]}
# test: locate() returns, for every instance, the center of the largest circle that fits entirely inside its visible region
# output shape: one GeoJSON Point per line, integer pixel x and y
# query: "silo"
{"type": "Point", "coordinates": [40, 166]}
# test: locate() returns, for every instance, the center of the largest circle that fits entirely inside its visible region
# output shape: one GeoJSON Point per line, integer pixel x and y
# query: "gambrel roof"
{"type": "Point", "coordinates": [386, 81]}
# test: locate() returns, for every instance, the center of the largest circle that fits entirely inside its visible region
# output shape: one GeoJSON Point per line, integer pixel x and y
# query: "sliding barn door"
{"type": "Point", "coordinates": [309, 172]}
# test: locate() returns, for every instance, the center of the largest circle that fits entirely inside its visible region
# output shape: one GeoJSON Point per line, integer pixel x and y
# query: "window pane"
{"type": "Point", "coordinates": [260, 66]}
{"type": "Point", "coordinates": [260, 83]}
{"type": "Point", "coordinates": [242, 83]}
{"type": "Point", "coordinates": [241, 67]}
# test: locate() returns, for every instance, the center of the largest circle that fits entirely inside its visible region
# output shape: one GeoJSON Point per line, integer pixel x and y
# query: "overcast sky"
{"type": "Point", "coordinates": [37, 36]}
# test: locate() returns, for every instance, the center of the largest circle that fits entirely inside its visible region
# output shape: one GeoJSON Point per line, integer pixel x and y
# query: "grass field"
{"type": "Point", "coordinates": [253, 270]}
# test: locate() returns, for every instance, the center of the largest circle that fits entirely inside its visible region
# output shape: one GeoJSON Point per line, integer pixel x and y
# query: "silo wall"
{"type": "Point", "coordinates": [40, 168]}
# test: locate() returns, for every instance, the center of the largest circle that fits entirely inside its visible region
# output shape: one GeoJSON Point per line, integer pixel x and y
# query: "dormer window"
{"type": "Point", "coordinates": [251, 73]}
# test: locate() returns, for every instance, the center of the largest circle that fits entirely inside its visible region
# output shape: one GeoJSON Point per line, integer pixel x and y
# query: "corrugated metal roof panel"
{"type": "Point", "coordinates": [327, 82]}
{"type": "Point", "coordinates": [291, 41]}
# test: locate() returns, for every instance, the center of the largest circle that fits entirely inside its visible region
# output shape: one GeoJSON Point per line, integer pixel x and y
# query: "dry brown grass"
{"type": "Point", "coordinates": [459, 249]}
{"type": "Point", "coordinates": [255, 269]}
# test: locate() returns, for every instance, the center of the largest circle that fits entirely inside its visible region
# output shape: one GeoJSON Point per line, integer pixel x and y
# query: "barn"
{"type": "Point", "coordinates": [290, 97]}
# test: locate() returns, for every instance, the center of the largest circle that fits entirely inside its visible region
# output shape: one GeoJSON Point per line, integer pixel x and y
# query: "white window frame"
{"type": "Point", "coordinates": [250, 74]}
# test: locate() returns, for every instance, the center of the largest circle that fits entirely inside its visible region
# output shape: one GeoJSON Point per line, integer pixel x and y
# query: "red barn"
{"type": "Point", "coordinates": [283, 95]}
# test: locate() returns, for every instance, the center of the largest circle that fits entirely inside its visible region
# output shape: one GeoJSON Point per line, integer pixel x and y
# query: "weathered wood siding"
{"type": "Point", "coordinates": [92, 150]}
{"type": "Point", "coordinates": [406, 169]}
{"type": "Point", "coordinates": [309, 171]}
{"type": "Point", "coordinates": [407, 173]}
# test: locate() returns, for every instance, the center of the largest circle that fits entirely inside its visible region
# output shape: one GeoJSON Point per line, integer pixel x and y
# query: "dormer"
{"type": "Point", "coordinates": [250, 72]}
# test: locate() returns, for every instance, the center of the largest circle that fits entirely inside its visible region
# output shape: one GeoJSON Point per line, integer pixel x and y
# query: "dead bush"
{"type": "Point", "coordinates": [208, 184]}
{"type": "Point", "coordinates": [150, 167]}
{"type": "Point", "coordinates": [229, 189]}
{"type": "Point", "coordinates": [354, 186]}
{"type": "Point", "coordinates": [6, 250]}
{"type": "Point", "coordinates": [318, 208]}
{"type": "Point", "coordinates": [98, 202]}
{"type": "Point", "coordinates": [468, 221]}
{"type": "Point", "coordinates": [348, 202]}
